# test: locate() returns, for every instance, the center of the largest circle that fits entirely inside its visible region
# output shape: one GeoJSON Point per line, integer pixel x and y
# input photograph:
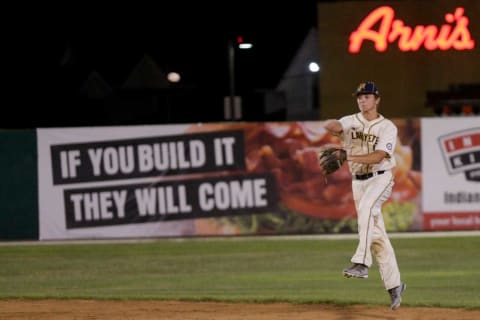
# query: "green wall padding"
{"type": "Point", "coordinates": [18, 187]}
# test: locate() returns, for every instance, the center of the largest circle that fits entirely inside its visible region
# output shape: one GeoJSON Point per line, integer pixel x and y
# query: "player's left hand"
{"type": "Point", "coordinates": [331, 159]}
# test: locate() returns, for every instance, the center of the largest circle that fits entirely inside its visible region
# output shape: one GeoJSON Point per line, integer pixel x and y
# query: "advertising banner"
{"type": "Point", "coordinates": [207, 179]}
{"type": "Point", "coordinates": [451, 171]}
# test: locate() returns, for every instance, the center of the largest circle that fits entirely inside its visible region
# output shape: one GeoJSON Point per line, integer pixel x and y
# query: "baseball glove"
{"type": "Point", "coordinates": [331, 159]}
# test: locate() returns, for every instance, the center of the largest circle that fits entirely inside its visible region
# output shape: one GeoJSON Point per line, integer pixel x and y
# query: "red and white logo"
{"type": "Point", "coordinates": [461, 151]}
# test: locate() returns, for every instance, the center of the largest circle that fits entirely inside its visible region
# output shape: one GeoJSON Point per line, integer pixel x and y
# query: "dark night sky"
{"type": "Point", "coordinates": [63, 46]}
{"type": "Point", "coordinates": [193, 37]}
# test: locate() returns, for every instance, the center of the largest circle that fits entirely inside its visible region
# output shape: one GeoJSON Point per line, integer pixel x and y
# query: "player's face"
{"type": "Point", "coordinates": [367, 102]}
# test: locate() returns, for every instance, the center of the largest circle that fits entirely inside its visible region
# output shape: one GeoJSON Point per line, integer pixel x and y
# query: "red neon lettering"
{"type": "Point", "coordinates": [412, 38]}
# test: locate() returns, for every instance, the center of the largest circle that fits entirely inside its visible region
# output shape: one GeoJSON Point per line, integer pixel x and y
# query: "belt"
{"type": "Point", "coordinates": [367, 175]}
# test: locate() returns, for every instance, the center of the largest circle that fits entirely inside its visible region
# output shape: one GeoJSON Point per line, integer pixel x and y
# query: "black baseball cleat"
{"type": "Point", "coordinates": [396, 295]}
{"type": "Point", "coordinates": [357, 270]}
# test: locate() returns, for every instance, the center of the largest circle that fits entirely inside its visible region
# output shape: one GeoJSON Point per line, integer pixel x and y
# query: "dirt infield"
{"type": "Point", "coordinates": [173, 310]}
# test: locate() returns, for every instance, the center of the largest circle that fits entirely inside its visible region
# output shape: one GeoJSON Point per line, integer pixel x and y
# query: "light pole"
{"type": "Point", "coordinates": [232, 103]}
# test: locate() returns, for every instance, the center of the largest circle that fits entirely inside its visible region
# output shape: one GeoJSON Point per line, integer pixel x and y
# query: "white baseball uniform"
{"type": "Point", "coordinates": [372, 186]}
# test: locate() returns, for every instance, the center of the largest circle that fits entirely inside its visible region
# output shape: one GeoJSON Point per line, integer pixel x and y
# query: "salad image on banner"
{"type": "Point", "coordinates": [289, 151]}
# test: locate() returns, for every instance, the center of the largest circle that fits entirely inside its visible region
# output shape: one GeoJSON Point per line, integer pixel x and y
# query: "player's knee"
{"type": "Point", "coordinates": [367, 212]}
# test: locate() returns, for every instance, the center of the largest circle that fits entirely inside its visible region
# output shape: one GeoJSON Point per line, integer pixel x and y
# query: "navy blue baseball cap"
{"type": "Point", "coordinates": [367, 87]}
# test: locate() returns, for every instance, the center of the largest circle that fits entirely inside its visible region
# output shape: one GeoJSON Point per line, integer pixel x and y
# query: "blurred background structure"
{"type": "Point", "coordinates": [423, 55]}
{"type": "Point", "coordinates": [140, 64]}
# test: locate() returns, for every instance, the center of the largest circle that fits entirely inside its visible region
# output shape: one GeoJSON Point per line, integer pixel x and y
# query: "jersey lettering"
{"type": "Point", "coordinates": [370, 138]}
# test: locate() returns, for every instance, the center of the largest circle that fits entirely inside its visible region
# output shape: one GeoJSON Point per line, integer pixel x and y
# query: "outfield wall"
{"type": "Point", "coordinates": [226, 179]}
{"type": "Point", "coordinates": [18, 190]}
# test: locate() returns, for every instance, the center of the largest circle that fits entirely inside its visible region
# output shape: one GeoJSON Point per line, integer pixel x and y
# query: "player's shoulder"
{"type": "Point", "coordinates": [387, 122]}
{"type": "Point", "coordinates": [349, 118]}
{"type": "Point", "coordinates": [389, 126]}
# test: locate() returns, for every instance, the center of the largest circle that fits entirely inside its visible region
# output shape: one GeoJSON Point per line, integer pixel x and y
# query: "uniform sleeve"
{"type": "Point", "coordinates": [388, 138]}
{"type": "Point", "coordinates": [346, 122]}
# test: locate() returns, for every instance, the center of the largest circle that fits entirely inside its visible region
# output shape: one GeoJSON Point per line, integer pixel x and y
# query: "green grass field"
{"type": "Point", "coordinates": [442, 272]}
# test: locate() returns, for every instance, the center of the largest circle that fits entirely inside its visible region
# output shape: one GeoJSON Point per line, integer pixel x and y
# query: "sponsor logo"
{"type": "Point", "coordinates": [461, 152]}
{"type": "Point", "coordinates": [454, 34]}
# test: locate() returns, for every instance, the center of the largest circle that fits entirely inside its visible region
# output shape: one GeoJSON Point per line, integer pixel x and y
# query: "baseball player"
{"type": "Point", "coordinates": [369, 140]}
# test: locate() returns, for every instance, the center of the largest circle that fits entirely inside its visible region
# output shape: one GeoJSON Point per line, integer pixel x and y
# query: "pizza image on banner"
{"type": "Point", "coordinates": [451, 172]}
